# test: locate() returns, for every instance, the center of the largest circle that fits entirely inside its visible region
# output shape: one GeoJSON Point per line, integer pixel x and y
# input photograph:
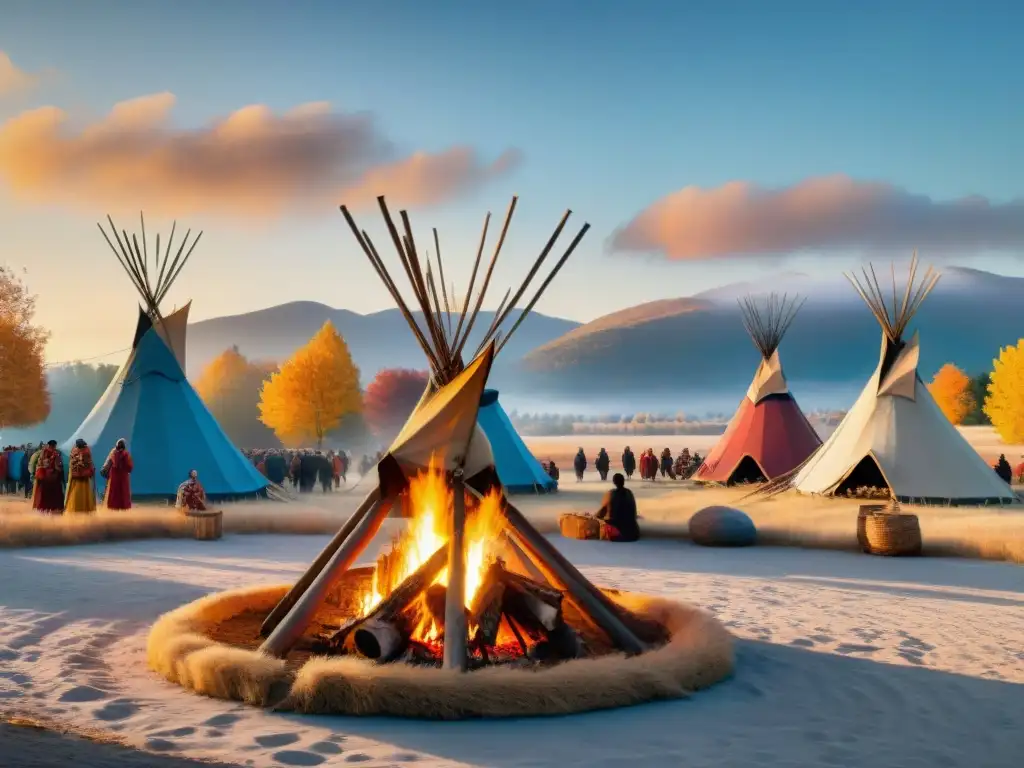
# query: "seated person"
{"type": "Point", "coordinates": [618, 512]}
{"type": "Point", "coordinates": [191, 495]}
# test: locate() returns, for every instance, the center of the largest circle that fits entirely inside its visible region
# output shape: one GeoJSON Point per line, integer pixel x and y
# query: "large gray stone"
{"type": "Point", "coordinates": [722, 527]}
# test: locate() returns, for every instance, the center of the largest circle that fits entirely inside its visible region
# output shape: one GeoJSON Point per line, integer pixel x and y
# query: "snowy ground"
{"type": "Point", "coordinates": [844, 660]}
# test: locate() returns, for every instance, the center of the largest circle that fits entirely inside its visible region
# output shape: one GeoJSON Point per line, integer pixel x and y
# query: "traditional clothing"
{"type": "Point", "coordinates": [81, 493]}
{"type": "Point", "coordinates": [48, 494]}
{"type": "Point", "coordinates": [118, 469]}
{"type": "Point", "coordinates": [191, 494]}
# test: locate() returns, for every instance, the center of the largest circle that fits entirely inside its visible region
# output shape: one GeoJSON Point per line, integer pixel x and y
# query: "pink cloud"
{"type": "Point", "coordinates": [251, 163]}
{"type": "Point", "coordinates": [13, 79]}
{"type": "Point", "coordinates": [830, 213]}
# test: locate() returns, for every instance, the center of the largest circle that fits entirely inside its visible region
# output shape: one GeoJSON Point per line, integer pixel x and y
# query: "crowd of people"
{"type": "Point", "coordinates": [680, 467]}
{"type": "Point", "coordinates": [306, 470]}
{"type": "Point", "coordinates": [41, 475]}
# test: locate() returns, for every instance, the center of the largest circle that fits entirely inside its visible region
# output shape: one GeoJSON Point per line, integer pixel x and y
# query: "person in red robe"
{"type": "Point", "coordinates": [48, 494]}
{"type": "Point", "coordinates": [191, 494]}
{"type": "Point", "coordinates": [117, 469]}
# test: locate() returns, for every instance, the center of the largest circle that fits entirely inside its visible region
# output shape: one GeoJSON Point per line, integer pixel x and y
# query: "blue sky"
{"type": "Point", "coordinates": [612, 104]}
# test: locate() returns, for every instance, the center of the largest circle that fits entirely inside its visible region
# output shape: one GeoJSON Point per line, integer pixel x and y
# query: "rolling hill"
{"type": "Point", "coordinates": [377, 340]}
{"type": "Point", "coordinates": [698, 344]}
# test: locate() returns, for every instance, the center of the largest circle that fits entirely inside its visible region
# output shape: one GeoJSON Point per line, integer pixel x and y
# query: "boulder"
{"type": "Point", "coordinates": [722, 527]}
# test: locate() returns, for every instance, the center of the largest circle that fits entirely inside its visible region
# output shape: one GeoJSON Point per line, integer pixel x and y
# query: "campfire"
{"type": "Point", "coordinates": [470, 582]}
{"type": "Point", "coordinates": [511, 618]}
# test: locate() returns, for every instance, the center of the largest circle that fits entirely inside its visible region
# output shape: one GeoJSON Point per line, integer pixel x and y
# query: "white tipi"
{"type": "Point", "coordinates": [895, 435]}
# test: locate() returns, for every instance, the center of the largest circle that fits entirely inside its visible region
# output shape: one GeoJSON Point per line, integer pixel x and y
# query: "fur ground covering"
{"type": "Point", "coordinates": [699, 654]}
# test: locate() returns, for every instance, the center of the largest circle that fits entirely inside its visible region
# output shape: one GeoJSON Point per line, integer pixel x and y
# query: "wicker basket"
{"type": "Point", "coordinates": [579, 527]}
{"type": "Point", "coordinates": [892, 534]}
{"type": "Point", "coordinates": [206, 525]}
{"type": "Point", "coordinates": [866, 510]}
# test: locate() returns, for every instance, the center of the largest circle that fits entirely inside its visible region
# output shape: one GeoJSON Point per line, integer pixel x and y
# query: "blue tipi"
{"type": "Point", "coordinates": [518, 470]}
{"type": "Point", "coordinates": [151, 404]}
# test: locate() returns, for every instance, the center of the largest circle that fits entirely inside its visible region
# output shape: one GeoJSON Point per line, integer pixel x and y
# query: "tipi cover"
{"type": "Point", "coordinates": [768, 435]}
{"type": "Point", "coordinates": [149, 402]}
{"type": "Point", "coordinates": [895, 435]}
{"type": "Point", "coordinates": [167, 427]}
{"type": "Point", "coordinates": [518, 470]}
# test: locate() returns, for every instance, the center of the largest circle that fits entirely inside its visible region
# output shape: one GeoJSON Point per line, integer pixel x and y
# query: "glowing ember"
{"type": "Point", "coordinates": [431, 500]}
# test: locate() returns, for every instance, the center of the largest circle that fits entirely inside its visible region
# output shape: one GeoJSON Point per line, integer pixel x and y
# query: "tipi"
{"type": "Point", "coordinates": [150, 402]}
{"type": "Point", "coordinates": [518, 470]}
{"type": "Point", "coordinates": [895, 436]}
{"type": "Point", "coordinates": [768, 435]}
{"type": "Point", "coordinates": [444, 427]}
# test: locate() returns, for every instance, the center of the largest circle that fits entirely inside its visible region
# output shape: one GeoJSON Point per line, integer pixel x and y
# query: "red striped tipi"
{"type": "Point", "coordinates": [768, 435]}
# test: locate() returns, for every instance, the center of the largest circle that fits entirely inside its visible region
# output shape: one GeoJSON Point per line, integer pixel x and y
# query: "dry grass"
{"type": "Point", "coordinates": [21, 527]}
{"type": "Point", "coordinates": [698, 655]}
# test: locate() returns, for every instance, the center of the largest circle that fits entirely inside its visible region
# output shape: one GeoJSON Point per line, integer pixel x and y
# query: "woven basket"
{"type": "Point", "coordinates": [892, 534]}
{"type": "Point", "coordinates": [866, 510]}
{"type": "Point", "coordinates": [579, 527]}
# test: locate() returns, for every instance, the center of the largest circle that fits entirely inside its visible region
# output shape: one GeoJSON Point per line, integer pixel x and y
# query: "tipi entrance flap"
{"type": "Point", "coordinates": [769, 379]}
{"type": "Point", "coordinates": [900, 380]}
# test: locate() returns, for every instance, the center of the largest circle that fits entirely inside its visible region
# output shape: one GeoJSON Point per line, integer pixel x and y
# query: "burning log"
{"type": "Point", "coordinates": [487, 610]}
{"type": "Point", "coordinates": [433, 602]}
{"type": "Point", "coordinates": [531, 602]}
{"type": "Point", "coordinates": [375, 636]}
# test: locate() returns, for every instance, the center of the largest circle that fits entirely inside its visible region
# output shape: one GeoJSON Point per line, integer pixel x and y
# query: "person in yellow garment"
{"type": "Point", "coordinates": [81, 493]}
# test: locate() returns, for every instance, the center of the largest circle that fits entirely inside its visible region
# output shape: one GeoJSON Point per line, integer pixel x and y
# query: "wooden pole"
{"type": "Point", "coordinates": [288, 601]}
{"type": "Point", "coordinates": [593, 603]}
{"type": "Point", "coordinates": [455, 628]}
{"type": "Point", "coordinates": [291, 627]}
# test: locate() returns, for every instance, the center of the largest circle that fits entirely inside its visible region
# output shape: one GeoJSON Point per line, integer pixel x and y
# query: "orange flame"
{"type": "Point", "coordinates": [431, 500]}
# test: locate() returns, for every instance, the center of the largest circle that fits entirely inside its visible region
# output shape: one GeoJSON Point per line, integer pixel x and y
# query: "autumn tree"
{"type": "Point", "coordinates": [313, 391]}
{"type": "Point", "coordinates": [24, 399]}
{"type": "Point", "coordinates": [230, 386]}
{"type": "Point", "coordinates": [951, 390]}
{"type": "Point", "coordinates": [390, 398]}
{"type": "Point", "coordinates": [1004, 404]}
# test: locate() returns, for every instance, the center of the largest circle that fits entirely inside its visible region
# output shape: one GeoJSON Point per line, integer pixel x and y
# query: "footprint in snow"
{"type": "Point", "coordinates": [277, 739]}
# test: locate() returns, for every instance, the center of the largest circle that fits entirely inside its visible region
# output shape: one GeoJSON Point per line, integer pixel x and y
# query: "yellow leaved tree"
{"type": "Point", "coordinates": [313, 391]}
{"type": "Point", "coordinates": [1004, 404]}
{"type": "Point", "coordinates": [230, 387]}
{"type": "Point", "coordinates": [24, 398]}
{"type": "Point", "coordinates": [951, 390]}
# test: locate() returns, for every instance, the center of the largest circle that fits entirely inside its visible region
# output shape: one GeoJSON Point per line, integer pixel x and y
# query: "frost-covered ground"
{"type": "Point", "coordinates": [843, 660]}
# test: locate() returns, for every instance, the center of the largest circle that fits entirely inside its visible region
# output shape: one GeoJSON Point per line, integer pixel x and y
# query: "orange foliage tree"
{"type": "Point", "coordinates": [24, 399]}
{"type": "Point", "coordinates": [313, 391]}
{"type": "Point", "coordinates": [230, 386]}
{"type": "Point", "coordinates": [1004, 404]}
{"type": "Point", "coordinates": [951, 390]}
{"type": "Point", "coordinates": [390, 398]}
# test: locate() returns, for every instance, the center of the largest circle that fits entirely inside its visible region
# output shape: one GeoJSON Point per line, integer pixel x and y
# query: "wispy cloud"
{"type": "Point", "coordinates": [13, 79]}
{"type": "Point", "coordinates": [824, 214]}
{"type": "Point", "coordinates": [251, 163]}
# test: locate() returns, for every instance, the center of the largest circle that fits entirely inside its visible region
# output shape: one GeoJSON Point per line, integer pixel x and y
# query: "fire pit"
{"type": "Point", "coordinates": [470, 612]}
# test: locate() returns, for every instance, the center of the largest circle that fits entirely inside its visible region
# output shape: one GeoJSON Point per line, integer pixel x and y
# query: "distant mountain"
{"type": "Point", "coordinates": [699, 345]}
{"type": "Point", "coordinates": [378, 340]}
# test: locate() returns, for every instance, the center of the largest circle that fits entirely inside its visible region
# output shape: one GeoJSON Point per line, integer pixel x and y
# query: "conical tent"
{"type": "Point", "coordinates": [517, 468]}
{"type": "Point", "coordinates": [150, 403]}
{"type": "Point", "coordinates": [895, 436]}
{"type": "Point", "coordinates": [444, 424]}
{"type": "Point", "coordinates": [768, 435]}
